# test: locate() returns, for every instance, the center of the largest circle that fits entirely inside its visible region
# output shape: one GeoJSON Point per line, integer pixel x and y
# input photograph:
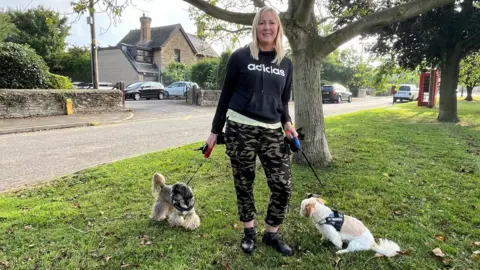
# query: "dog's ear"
{"type": "Point", "coordinates": [320, 200]}
{"type": "Point", "coordinates": [309, 209]}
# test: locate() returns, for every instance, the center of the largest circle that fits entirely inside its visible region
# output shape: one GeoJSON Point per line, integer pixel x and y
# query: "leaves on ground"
{"type": "Point", "coordinates": [407, 252]}
{"type": "Point", "coordinates": [440, 237]}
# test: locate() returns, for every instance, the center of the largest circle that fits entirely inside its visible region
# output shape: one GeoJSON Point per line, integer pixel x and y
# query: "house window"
{"type": "Point", "coordinates": [144, 56]}
{"type": "Point", "coordinates": [177, 55]}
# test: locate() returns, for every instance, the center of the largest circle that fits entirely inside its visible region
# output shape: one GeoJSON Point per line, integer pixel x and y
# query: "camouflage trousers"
{"type": "Point", "coordinates": [243, 144]}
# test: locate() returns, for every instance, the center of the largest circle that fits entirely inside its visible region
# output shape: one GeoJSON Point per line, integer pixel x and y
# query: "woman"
{"type": "Point", "coordinates": [255, 99]}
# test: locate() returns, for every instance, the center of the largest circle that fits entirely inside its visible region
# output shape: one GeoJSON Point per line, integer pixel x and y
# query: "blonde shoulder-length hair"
{"type": "Point", "coordinates": [254, 49]}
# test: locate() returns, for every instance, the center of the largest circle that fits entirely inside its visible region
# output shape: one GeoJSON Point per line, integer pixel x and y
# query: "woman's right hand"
{"type": "Point", "coordinates": [212, 140]}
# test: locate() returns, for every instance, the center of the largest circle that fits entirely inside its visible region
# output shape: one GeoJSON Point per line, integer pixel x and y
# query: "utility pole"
{"type": "Point", "coordinates": [93, 53]}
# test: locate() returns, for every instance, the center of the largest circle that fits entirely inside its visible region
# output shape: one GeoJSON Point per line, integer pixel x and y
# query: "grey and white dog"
{"type": "Point", "coordinates": [174, 203]}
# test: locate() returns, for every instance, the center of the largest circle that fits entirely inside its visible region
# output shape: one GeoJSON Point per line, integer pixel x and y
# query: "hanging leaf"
{"type": "Point", "coordinates": [49, 21]}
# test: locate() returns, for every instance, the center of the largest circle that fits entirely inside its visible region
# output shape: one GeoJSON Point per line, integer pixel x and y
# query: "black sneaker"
{"type": "Point", "coordinates": [275, 240]}
{"type": "Point", "coordinates": [248, 240]}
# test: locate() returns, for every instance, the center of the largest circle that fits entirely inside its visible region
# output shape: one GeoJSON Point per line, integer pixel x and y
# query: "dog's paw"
{"type": "Point", "coordinates": [176, 220]}
{"type": "Point", "coordinates": [342, 251]}
{"type": "Point", "coordinates": [191, 222]}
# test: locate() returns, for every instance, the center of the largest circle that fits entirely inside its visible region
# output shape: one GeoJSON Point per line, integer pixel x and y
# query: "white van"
{"type": "Point", "coordinates": [406, 92]}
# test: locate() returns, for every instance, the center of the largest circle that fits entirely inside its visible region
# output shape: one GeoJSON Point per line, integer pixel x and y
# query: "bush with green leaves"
{"type": "Point", "coordinates": [55, 81]}
{"type": "Point", "coordinates": [204, 73]}
{"type": "Point", "coordinates": [222, 68]}
{"type": "Point", "coordinates": [21, 67]}
{"type": "Point", "coordinates": [176, 72]}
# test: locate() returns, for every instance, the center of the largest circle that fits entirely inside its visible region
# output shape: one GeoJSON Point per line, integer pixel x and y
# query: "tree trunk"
{"type": "Point", "coordinates": [308, 103]}
{"type": "Point", "coordinates": [469, 93]}
{"type": "Point", "coordinates": [449, 81]}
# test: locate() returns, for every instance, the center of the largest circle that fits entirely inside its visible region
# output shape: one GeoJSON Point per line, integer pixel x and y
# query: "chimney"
{"type": "Point", "coordinates": [145, 30]}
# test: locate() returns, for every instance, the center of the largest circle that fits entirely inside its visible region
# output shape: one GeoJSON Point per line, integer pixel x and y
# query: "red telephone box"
{"type": "Point", "coordinates": [424, 91]}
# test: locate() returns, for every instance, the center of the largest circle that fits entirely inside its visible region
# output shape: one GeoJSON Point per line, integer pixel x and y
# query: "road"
{"type": "Point", "coordinates": [31, 158]}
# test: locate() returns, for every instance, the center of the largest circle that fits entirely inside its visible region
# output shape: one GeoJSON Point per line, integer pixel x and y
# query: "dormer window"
{"type": "Point", "coordinates": [144, 56]}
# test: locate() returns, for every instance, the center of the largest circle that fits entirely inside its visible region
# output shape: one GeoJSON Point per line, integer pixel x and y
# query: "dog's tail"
{"type": "Point", "coordinates": [386, 247]}
{"type": "Point", "coordinates": [158, 182]}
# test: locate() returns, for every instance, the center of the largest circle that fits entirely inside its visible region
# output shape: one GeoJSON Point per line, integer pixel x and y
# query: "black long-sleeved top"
{"type": "Point", "coordinates": [258, 89]}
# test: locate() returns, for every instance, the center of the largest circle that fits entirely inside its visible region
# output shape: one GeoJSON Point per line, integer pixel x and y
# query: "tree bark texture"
{"type": "Point", "coordinates": [308, 103]}
{"type": "Point", "coordinates": [469, 93]}
{"type": "Point", "coordinates": [450, 71]}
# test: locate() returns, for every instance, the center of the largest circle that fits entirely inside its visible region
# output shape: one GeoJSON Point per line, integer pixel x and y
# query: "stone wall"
{"type": "Point", "coordinates": [205, 97]}
{"type": "Point", "coordinates": [28, 103]}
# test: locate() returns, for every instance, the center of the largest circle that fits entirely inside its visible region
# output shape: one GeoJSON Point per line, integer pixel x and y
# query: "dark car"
{"type": "Point", "coordinates": [146, 90]}
{"type": "Point", "coordinates": [335, 93]}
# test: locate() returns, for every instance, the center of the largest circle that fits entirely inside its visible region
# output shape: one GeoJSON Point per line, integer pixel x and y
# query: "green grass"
{"type": "Point", "coordinates": [407, 177]}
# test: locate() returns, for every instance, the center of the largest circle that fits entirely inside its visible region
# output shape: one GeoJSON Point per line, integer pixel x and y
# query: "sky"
{"type": "Point", "coordinates": [177, 12]}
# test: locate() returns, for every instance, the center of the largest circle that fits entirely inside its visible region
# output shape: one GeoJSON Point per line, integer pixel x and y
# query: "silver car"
{"type": "Point", "coordinates": [179, 89]}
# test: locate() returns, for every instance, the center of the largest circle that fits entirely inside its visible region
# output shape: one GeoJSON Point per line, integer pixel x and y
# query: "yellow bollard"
{"type": "Point", "coordinates": [69, 106]}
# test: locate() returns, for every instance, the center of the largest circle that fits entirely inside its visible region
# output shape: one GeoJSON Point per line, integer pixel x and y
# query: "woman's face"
{"type": "Point", "coordinates": [267, 28]}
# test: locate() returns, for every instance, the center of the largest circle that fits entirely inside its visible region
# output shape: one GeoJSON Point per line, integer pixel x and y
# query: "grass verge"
{"type": "Point", "coordinates": [407, 177]}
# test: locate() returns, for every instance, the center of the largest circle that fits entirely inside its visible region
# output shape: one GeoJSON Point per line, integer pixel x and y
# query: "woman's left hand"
{"type": "Point", "coordinates": [290, 130]}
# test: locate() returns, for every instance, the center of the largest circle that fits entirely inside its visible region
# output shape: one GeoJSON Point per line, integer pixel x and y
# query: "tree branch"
{"type": "Point", "coordinates": [222, 14]}
{"type": "Point", "coordinates": [302, 13]}
{"type": "Point", "coordinates": [230, 31]}
{"type": "Point", "coordinates": [258, 3]}
{"type": "Point", "coordinates": [379, 19]}
{"type": "Point", "coordinates": [323, 20]}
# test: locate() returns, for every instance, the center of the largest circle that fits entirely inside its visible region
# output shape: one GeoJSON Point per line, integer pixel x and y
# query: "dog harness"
{"type": "Point", "coordinates": [335, 219]}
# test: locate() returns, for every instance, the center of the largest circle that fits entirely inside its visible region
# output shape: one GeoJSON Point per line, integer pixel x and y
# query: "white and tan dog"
{"type": "Point", "coordinates": [353, 231]}
{"type": "Point", "coordinates": [174, 203]}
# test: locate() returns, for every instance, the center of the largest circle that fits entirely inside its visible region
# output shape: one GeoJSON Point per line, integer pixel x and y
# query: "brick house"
{"type": "Point", "coordinates": [143, 54]}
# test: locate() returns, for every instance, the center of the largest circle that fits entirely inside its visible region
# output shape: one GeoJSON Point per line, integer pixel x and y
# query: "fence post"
{"type": "Point", "coordinates": [194, 94]}
{"type": "Point", "coordinates": [122, 88]}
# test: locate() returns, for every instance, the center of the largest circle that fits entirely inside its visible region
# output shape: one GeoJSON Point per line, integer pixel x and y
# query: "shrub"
{"type": "Point", "coordinates": [176, 72]}
{"type": "Point", "coordinates": [55, 81]}
{"type": "Point", "coordinates": [21, 67]}
{"type": "Point", "coordinates": [222, 68]}
{"type": "Point", "coordinates": [204, 73]}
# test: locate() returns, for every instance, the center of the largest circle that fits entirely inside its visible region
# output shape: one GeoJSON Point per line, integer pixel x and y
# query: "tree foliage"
{"type": "Point", "coordinates": [470, 72]}
{"type": "Point", "coordinates": [21, 67]}
{"type": "Point", "coordinates": [74, 63]}
{"type": "Point", "coordinates": [176, 72]}
{"type": "Point", "coordinates": [205, 72]}
{"type": "Point", "coordinates": [44, 30]}
{"type": "Point", "coordinates": [222, 68]}
{"type": "Point", "coordinates": [426, 39]}
{"type": "Point", "coordinates": [7, 28]}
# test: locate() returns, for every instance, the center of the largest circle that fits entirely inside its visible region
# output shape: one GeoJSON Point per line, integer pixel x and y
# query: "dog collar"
{"type": "Point", "coordinates": [177, 206]}
{"type": "Point", "coordinates": [335, 219]}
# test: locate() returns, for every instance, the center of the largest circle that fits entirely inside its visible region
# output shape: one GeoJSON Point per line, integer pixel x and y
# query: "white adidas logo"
{"type": "Point", "coordinates": [263, 68]}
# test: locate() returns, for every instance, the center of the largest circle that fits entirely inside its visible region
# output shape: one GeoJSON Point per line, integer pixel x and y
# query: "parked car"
{"type": "Point", "coordinates": [101, 85]}
{"type": "Point", "coordinates": [335, 93]}
{"type": "Point", "coordinates": [146, 90]}
{"type": "Point", "coordinates": [179, 89]}
{"type": "Point", "coordinates": [406, 92]}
